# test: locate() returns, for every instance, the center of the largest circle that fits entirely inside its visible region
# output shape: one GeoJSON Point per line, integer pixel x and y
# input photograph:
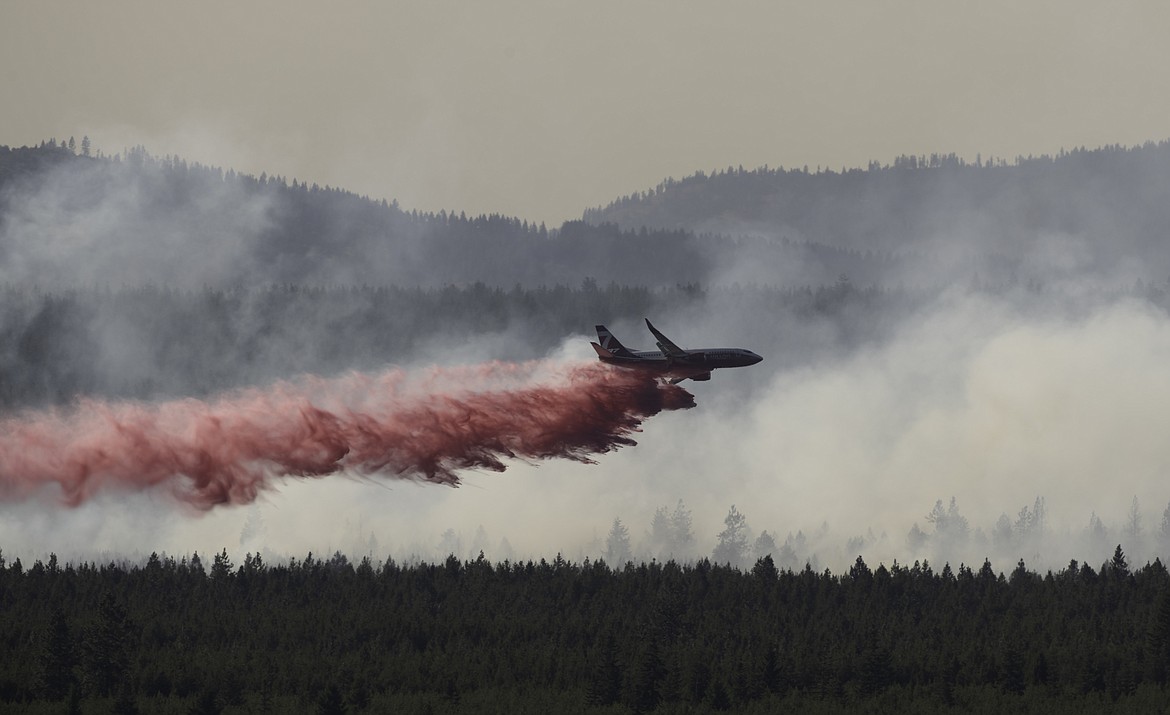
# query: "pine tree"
{"type": "Point", "coordinates": [874, 675]}
{"type": "Point", "coordinates": [950, 527]}
{"type": "Point", "coordinates": [1012, 668]}
{"type": "Point", "coordinates": [682, 534]}
{"type": "Point", "coordinates": [765, 569]}
{"type": "Point", "coordinates": [1133, 523]}
{"type": "Point", "coordinates": [643, 680]}
{"type": "Point", "coordinates": [916, 539]}
{"type": "Point", "coordinates": [1164, 530]}
{"type": "Point", "coordinates": [1118, 566]}
{"type": "Point", "coordinates": [617, 546]}
{"type": "Point", "coordinates": [58, 657]}
{"type": "Point", "coordinates": [479, 542]}
{"type": "Point", "coordinates": [1096, 529]}
{"type": "Point", "coordinates": [1003, 535]}
{"type": "Point", "coordinates": [660, 541]}
{"type": "Point", "coordinates": [771, 675]}
{"type": "Point", "coordinates": [107, 648]}
{"type": "Point", "coordinates": [450, 544]}
{"type": "Point", "coordinates": [221, 566]}
{"type": "Point", "coordinates": [1158, 639]}
{"type": "Point", "coordinates": [765, 545]}
{"type": "Point", "coordinates": [731, 547]}
{"type": "Point", "coordinates": [605, 681]}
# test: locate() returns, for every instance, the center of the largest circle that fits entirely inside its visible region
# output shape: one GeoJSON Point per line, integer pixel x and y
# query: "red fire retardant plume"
{"type": "Point", "coordinates": [396, 424]}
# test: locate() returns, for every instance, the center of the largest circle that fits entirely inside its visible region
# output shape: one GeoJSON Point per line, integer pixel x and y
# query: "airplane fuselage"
{"type": "Point", "coordinates": [671, 361]}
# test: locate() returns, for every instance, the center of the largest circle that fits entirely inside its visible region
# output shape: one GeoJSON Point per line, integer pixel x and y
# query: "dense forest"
{"type": "Point", "coordinates": [178, 635]}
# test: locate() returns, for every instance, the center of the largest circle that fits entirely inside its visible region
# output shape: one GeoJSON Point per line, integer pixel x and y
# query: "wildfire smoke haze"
{"type": "Point", "coordinates": [406, 425]}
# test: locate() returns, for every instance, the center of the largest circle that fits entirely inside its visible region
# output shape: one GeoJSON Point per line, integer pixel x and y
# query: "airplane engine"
{"type": "Point", "coordinates": [701, 378]}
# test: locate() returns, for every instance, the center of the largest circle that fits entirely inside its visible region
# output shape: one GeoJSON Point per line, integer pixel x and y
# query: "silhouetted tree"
{"type": "Point", "coordinates": [1133, 523]}
{"type": "Point", "coordinates": [950, 527]}
{"type": "Point", "coordinates": [682, 535]}
{"type": "Point", "coordinates": [731, 547]}
{"type": "Point", "coordinates": [1118, 566]}
{"type": "Point", "coordinates": [765, 569]}
{"type": "Point", "coordinates": [765, 545]}
{"type": "Point", "coordinates": [617, 545]}
{"type": "Point", "coordinates": [107, 648]}
{"type": "Point", "coordinates": [605, 680]}
{"type": "Point", "coordinates": [644, 677]}
{"type": "Point", "coordinates": [1159, 639]}
{"type": "Point", "coordinates": [661, 541]}
{"type": "Point", "coordinates": [58, 657]}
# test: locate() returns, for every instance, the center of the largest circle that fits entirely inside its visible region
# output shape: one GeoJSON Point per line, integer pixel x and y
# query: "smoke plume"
{"type": "Point", "coordinates": [399, 424]}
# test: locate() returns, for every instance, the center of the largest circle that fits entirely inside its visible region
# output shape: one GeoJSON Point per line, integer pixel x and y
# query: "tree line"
{"type": "Point", "coordinates": [948, 536]}
{"type": "Point", "coordinates": [182, 635]}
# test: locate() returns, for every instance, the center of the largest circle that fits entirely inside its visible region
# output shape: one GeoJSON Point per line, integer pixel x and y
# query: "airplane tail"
{"type": "Point", "coordinates": [610, 343]}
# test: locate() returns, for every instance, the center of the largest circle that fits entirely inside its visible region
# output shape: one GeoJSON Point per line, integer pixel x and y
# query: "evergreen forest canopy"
{"type": "Point", "coordinates": [556, 636]}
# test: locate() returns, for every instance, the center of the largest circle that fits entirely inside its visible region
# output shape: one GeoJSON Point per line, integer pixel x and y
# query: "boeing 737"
{"type": "Point", "coordinates": [670, 361]}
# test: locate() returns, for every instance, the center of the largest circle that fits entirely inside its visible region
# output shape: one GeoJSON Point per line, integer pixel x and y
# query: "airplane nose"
{"type": "Point", "coordinates": [756, 358]}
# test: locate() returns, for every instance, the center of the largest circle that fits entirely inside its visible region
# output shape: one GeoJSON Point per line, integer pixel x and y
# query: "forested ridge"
{"type": "Point", "coordinates": [134, 219]}
{"type": "Point", "coordinates": [1111, 191]}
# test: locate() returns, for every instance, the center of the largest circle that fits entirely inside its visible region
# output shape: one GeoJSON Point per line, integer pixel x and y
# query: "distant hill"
{"type": "Point", "coordinates": [69, 219]}
{"type": "Point", "coordinates": [134, 219]}
{"type": "Point", "coordinates": [1102, 211]}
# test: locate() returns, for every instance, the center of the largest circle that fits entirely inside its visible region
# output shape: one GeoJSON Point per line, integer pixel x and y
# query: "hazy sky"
{"type": "Point", "coordinates": [542, 109]}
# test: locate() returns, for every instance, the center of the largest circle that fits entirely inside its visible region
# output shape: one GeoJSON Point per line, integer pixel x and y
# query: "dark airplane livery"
{"type": "Point", "coordinates": [670, 361]}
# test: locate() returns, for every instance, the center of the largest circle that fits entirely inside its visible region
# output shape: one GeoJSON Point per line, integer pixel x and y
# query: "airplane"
{"type": "Point", "coordinates": [671, 361]}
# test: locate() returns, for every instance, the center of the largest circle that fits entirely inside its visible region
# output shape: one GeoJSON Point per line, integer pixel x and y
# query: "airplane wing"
{"type": "Point", "coordinates": [668, 348]}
